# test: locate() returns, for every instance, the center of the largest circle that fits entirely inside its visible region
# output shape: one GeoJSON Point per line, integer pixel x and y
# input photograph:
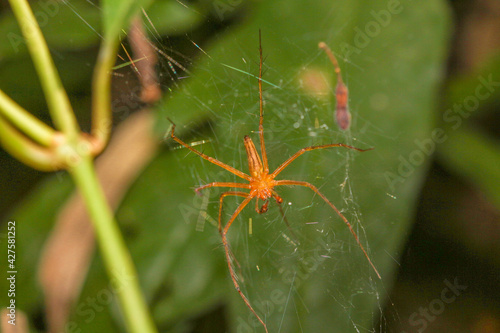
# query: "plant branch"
{"type": "Point", "coordinates": [25, 150]}
{"type": "Point", "coordinates": [72, 151]}
{"type": "Point", "coordinates": [57, 99]}
{"type": "Point", "coordinates": [24, 121]}
{"type": "Point", "coordinates": [116, 257]}
{"type": "Point", "coordinates": [101, 101]}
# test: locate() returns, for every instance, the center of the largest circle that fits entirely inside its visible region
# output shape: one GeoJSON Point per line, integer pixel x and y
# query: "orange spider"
{"type": "Point", "coordinates": [261, 185]}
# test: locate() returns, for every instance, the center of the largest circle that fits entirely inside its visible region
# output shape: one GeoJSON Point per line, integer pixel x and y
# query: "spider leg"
{"type": "Point", "coordinates": [303, 150]}
{"type": "Point", "coordinates": [222, 184]}
{"type": "Point", "coordinates": [208, 158]}
{"type": "Point", "coordinates": [221, 199]}
{"type": "Point", "coordinates": [312, 187]}
{"type": "Point", "coordinates": [261, 117]}
{"type": "Point", "coordinates": [223, 232]}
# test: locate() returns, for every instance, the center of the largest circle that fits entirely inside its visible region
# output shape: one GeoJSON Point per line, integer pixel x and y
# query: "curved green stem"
{"type": "Point", "coordinates": [22, 119]}
{"type": "Point", "coordinates": [113, 250]}
{"type": "Point", "coordinates": [25, 150]}
{"type": "Point", "coordinates": [78, 161]}
{"type": "Point", "coordinates": [57, 99]}
{"type": "Point", "coordinates": [101, 101]}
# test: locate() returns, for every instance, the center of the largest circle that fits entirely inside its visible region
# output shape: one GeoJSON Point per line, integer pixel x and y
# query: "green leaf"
{"type": "Point", "coordinates": [181, 18]}
{"type": "Point", "coordinates": [117, 15]}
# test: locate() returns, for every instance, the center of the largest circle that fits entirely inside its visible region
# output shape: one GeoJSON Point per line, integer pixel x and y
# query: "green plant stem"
{"type": "Point", "coordinates": [101, 101]}
{"type": "Point", "coordinates": [113, 250]}
{"type": "Point", "coordinates": [57, 99]}
{"type": "Point", "coordinates": [24, 149]}
{"type": "Point", "coordinates": [116, 257]}
{"type": "Point", "coordinates": [31, 126]}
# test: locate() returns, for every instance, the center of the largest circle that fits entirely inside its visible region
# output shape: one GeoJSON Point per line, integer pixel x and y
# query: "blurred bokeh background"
{"type": "Point", "coordinates": [424, 80]}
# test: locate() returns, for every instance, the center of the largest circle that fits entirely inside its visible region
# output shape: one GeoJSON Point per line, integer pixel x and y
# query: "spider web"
{"type": "Point", "coordinates": [314, 268]}
{"type": "Point", "coordinates": [285, 271]}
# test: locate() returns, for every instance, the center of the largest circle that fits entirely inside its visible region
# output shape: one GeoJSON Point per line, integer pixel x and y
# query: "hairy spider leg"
{"type": "Point", "coordinates": [256, 171]}
{"type": "Point", "coordinates": [223, 232]}
{"type": "Point", "coordinates": [303, 150]}
{"type": "Point", "coordinates": [221, 199]}
{"type": "Point", "coordinates": [261, 109]}
{"type": "Point", "coordinates": [208, 158]}
{"type": "Point", "coordinates": [315, 189]}
{"type": "Point", "coordinates": [222, 184]}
